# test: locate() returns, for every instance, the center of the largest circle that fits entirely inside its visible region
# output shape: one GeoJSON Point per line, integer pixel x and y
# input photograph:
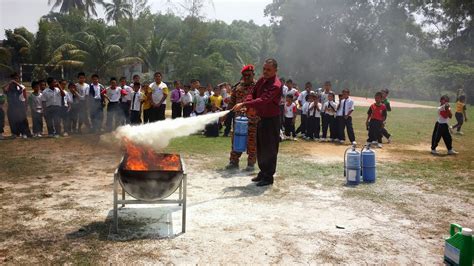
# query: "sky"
{"type": "Point", "coordinates": [26, 13]}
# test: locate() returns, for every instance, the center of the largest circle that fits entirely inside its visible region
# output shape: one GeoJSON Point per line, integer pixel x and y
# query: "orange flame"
{"type": "Point", "coordinates": [140, 158]}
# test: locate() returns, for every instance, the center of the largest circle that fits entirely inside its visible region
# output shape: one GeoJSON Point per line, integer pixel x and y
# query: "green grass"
{"type": "Point", "coordinates": [409, 126]}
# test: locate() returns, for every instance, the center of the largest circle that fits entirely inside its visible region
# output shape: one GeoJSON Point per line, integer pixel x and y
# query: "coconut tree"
{"type": "Point", "coordinates": [5, 60]}
{"type": "Point", "coordinates": [101, 55]}
{"type": "Point", "coordinates": [117, 10]}
{"type": "Point", "coordinates": [88, 7]}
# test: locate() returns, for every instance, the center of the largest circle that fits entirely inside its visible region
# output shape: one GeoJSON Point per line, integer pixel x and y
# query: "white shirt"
{"type": "Point", "coordinates": [328, 110]}
{"type": "Point", "coordinates": [157, 92]}
{"type": "Point", "coordinates": [284, 91]}
{"type": "Point", "coordinates": [113, 94]}
{"type": "Point", "coordinates": [82, 91]}
{"type": "Point", "coordinates": [68, 98]}
{"type": "Point", "coordinates": [293, 93]}
{"type": "Point", "coordinates": [52, 97]}
{"type": "Point", "coordinates": [314, 112]}
{"type": "Point", "coordinates": [200, 102]}
{"type": "Point", "coordinates": [290, 110]}
{"type": "Point", "coordinates": [136, 103]}
{"type": "Point", "coordinates": [97, 89]}
{"type": "Point", "coordinates": [442, 120]}
{"type": "Point", "coordinates": [208, 94]}
{"type": "Point", "coordinates": [346, 105]}
{"type": "Point", "coordinates": [224, 96]}
{"type": "Point", "coordinates": [304, 109]}
{"type": "Point", "coordinates": [324, 96]}
{"type": "Point", "coordinates": [127, 97]}
{"type": "Point", "coordinates": [187, 98]}
{"type": "Point", "coordinates": [21, 88]}
{"type": "Point", "coordinates": [302, 97]}
{"type": "Point", "coordinates": [36, 102]}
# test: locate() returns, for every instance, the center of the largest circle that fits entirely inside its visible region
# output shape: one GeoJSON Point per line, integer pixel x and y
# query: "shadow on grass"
{"type": "Point", "coordinates": [133, 224]}
{"type": "Point", "coordinates": [250, 190]}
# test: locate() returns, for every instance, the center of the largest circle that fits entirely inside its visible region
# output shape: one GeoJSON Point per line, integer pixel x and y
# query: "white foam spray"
{"type": "Point", "coordinates": [157, 135]}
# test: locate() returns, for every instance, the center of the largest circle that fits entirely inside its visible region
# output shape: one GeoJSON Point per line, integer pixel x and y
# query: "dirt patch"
{"type": "Point", "coordinates": [57, 217]}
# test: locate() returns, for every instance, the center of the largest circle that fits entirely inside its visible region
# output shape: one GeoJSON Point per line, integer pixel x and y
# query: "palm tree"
{"type": "Point", "coordinates": [117, 10]}
{"type": "Point", "coordinates": [100, 53]}
{"type": "Point", "coordinates": [154, 52]}
{"type": "Point", "coordinates": [67, 6]}
{"type": "Point", "coordinates": [5, 60]}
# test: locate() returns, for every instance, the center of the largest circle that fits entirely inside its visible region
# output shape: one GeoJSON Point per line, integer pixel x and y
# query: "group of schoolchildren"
{"type": "Point", "coordinates": [325, 119]}
{"type": "Point", "coordinates": [69, 108]}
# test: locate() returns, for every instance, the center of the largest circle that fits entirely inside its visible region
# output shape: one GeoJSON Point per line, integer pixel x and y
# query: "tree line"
{"type": "Point", "coordinates": [418, 49]}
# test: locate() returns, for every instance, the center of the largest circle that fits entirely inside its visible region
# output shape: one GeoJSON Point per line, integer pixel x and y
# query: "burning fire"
{"type": "Point", "coordinates": [140, 158]}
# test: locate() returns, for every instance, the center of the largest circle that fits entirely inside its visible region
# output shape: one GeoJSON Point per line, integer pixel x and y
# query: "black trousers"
{"type": "Point", "coordinates": [187, 110]}
{"type": "Point", "coordinates": [135, 118]}
{"type": "Point", "coordinates": [441, 131]}
{"type": "Point", "coordinates": [459, 120]}
{"type": "Point", "coordinates": [74, 116]}
{"type": "Point", "coordinates": [289, 127]}
{"type": "Point", "coordinates": [96, 114]}
{"type": "Point", "coordinates": [83, 115]}
{"type": "Point", "coordinates": [303, 126]}
{"type": "Point", "coordinates": [37, 122]}
{"type": "Point", "coordinates": [282, 116]}
{"type": "Point", "coordinates": [2, 120]}
{"type": "Point", "coordinates": [125, 117]}
{"type": "Point", "coordinates": [53, 119]}
{"type": "Point", "coordinates": [384, 134]}
{"type": "Point", "coordinates": [268, 141]}
{"type": "Point", "coordinates": [228, 123]}
{"type": "Point", "coordinates": [342, 124]}
{"type": "Point", "coordinates": [328, 122]}
{"type": "Point", "coordinates": [66, 120]}
{"type": "Point", "coordinates": [114, 114]}
{"type": "Point", "coordinates": [176, 110]}
{"type": "Point", "coordinates": [147, 115]}
{"type": "Point", "coordinates": [17, 120]}
{"type": "Point", "coordinates": [212, 130]}
{"type": "Point", "coordinates": [375, 130]}
{"type": "Point", "coordinates": [314, 127]}
{"type": "Point", "coordinates": [332, 126]}
{"type": "Point", "coordinates": [157, 113]}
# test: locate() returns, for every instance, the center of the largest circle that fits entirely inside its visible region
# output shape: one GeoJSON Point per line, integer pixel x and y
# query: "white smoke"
{"type": "Point", "coordinates": [157, 135]}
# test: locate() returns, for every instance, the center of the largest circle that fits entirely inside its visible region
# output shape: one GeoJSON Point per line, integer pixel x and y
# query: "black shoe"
{"type": "Point", "coordinates": [264, 183]}
{"type": "Point", "coordinates": [257, 179]}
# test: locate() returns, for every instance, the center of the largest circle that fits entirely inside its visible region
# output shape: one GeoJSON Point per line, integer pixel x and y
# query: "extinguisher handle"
{"type": "Point", "coordinates": [453, 227]}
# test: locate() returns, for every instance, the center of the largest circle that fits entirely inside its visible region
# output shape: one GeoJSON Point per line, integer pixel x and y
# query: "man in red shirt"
{"type": "Point", "coordinates": [265, 99]}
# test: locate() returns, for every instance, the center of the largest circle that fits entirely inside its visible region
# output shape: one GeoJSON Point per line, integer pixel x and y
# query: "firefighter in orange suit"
{"type": "Point", "coordinates": [239, 93]}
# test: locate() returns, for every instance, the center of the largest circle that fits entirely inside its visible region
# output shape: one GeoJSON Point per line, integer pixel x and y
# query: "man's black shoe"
{"type": "Point", "coordinates": [264, 183]}
{"type": "Point", "coordinates": [257, 179]}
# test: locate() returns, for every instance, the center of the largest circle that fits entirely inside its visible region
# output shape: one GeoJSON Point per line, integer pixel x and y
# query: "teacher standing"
{"type": "Point", "coordinates": [265, 99]}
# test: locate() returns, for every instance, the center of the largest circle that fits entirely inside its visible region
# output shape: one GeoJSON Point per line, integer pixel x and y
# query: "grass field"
{"type": "Point", "coordinates": [61, 183]}
{"type": "Point", "coordinates": [411, 130]}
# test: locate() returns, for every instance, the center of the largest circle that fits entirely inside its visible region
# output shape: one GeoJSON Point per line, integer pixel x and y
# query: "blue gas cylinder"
{"type": "Point", "coordinates": [241, 126]}
{"type": "Point", "coordinates": [352, 166]}
{"type": "Point", "coordinates": [368, 165]}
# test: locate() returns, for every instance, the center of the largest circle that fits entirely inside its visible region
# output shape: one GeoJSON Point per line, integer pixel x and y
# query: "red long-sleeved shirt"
{"type": "Point", "coordinates": [265, 97]}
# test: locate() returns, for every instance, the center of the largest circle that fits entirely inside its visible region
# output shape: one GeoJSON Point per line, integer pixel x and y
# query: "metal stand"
{"type": "Point", "coordinates": [181, 201]}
